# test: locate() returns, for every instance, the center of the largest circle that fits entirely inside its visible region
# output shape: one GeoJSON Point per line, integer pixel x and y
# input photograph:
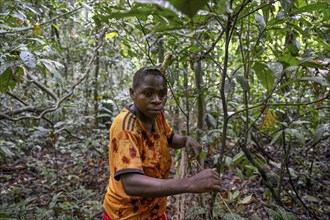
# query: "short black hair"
{"type": "Point", "coordinates": [145, 71]}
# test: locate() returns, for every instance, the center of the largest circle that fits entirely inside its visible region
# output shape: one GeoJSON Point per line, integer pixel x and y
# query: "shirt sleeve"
{"type": "Point", "coordinates": [124, 153]}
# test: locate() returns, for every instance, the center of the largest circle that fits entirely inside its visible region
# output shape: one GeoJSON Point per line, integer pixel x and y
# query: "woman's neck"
{"type": "Point", "coordinates": [147, 122]}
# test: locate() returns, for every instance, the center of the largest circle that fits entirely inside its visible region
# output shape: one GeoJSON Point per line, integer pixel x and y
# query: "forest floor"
{"type": "Point", "coordinates": [62, 184]}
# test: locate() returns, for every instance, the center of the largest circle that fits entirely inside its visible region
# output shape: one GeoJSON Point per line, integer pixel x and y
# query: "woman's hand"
{"type": "Point", "coordinates": [205, 181]}
{"type": "Point", "coordinates": [193, 147]}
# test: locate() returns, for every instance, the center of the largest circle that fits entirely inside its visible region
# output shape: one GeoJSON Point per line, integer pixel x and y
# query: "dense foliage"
{"type": "Point", "coordinates": [249, 79]}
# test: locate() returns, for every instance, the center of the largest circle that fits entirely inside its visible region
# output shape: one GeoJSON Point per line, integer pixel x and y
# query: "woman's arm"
{"type": "Point", "coordinates": [144, 186]}
{"type": "Point", "coordinates": [179, 141]}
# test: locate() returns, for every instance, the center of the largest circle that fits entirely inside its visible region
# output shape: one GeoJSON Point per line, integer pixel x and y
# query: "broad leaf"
{"type": "Point", "coordinates": [28, 58]}
{"type": "Point", "coordinates": [286, 4]}
{"type": "Point", "coordinates": [6, 151]}
{"type": "Point", "coordinates": [317, 79]}
{"type": "Point", "coordinates": [264, 74]}
{"type": "Point", "coordinates": [276, 136]}
{"type": "Point", "coordinates": [247, 199]}
{"type": "Point", "coordinates": [52, 67]}
{"type": "Point", "coordinates": [291, 60]}
{"type": "Point", "coordinates": [188, 7]}
{"type": "Point", "coordinates": [243, 82]}
{"type": "Point", "coordinates": [277, 69]}
{"type": "Point", "coordinates": [311, 7]}
{"type": "Point", "coordinates": [320, 131]}
{"type": "Point", "coordinates": [273, 214]}
{"type": "Point", "coordinates": [260, 21]}
{"type": "Point", "coordinates": [7, 82]}
{"type": "Point", "coordinates": [296, 134]}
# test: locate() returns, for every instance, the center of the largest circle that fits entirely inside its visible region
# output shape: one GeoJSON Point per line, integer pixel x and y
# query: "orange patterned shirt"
{"type": "Point", "coordinates": [133, 149]}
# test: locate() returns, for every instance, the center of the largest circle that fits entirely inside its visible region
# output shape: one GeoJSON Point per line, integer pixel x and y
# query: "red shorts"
{"type": "Point", "coordinates": [106, 217]}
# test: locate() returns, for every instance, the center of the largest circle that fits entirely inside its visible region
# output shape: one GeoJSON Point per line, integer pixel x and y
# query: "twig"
{"type": "Point", "coordinates": [203, 56]}
{"type": "Point", "coordinates": [176, 100]}
{"type": "Point", "coordinates": [218, 193]}
{"type": "Point", "coordinates": [235, 16]}
{"type": "Point", "coordinates": [15, 97]}
{"type": "Point", "coordinates": [144, 33]}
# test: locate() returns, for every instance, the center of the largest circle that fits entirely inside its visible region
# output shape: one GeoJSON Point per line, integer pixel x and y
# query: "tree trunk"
{"type": "Point", "coordinates": [200, 97]}
{"type": "Point", "coordinates": [95, 87]}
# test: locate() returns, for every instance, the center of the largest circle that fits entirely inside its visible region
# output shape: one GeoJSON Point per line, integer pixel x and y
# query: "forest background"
{"type": "Point", "coordinates": [248, 78]}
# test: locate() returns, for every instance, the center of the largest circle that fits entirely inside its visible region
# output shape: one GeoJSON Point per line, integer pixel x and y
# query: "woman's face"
{"type": "Point", "coordinates": [150, 97]}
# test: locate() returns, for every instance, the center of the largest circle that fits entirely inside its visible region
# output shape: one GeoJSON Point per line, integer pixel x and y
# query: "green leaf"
{"type": "Point", "coordinates": [264, 74]}
{"type": "Point", "coordinates": [7, 152]}
{"type": "Point", "coordinates": [55, 200]}
{"type": "Point", "coordinates": [28, 58]}
{"type": "Point", "coordinates": [236, 194]}
{"type": "Point", "coordinates": [293, 47]}
{"type": "Point", "coordinates": [286, 4]}
{"type": "Point", "coordinates": [239, 157]}
{"type": "Point", "coordinates": [277, 69]}
{"type": "Point", "coordinates": [211, 120]}
{"type": "Point", "coordinates": [312, 198]}
{"type": "Point", "coordinates": [266, 11]}
{"type": "Point", "coordinates": [239, 173]}
{"type": "Point", "coordinates": [8, 216]}
{"type": "Point", "coordinates": [300, 122]}
{"type": "Point", "coordinates": [247, 199]}
{"type": "Point", "coordinates": [49, 64]}
{"type": "Point", "coordinates": [260, 21]}
{"type": "Point", "coordinates": [188, 7]}
{"type": "Point", "coordinates": [273, 214]}
{"type": "Point", "coordinates": [243, 82]}
{"type": "Point", "coordinates": [285, 215]}
{"type": "Point", "coordinates": [36, 11]}
{"type": "Point", "coordinates": [311, 8]}
{"type": "Point", "coordinates": [203, 155]}
{"type": "Point", "coordinates": [228, 161]}
{"type": "Point", "coordinates": [317, 79]}
{"type": "Point", "coordinates": [7, 82]}
{"type": "Point", "coordinates": [319, 132]}
{"type": "Point", "coordinates": [291, 60]}
{"type": "Point", "coordinates": [273, 163]}
{"type": "Point", "coordinates": [277, 135]}
{"type": "Point", "coordinates": [297, 134]}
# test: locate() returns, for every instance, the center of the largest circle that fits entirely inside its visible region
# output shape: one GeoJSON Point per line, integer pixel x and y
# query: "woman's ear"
{"type": "Point", "coordinates": [131, 93]}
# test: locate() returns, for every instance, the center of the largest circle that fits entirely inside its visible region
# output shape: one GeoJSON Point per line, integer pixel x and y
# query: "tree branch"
{"type": "Point", "coordinates": [144, 34]}
{"type": "Point", "coordinates": [37, 83]}
{"type": "Point", "coordinates": [262, 173]}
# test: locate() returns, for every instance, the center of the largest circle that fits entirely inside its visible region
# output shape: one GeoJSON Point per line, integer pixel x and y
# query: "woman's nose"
{"type": "Point", "coordinates": [157, 99]}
